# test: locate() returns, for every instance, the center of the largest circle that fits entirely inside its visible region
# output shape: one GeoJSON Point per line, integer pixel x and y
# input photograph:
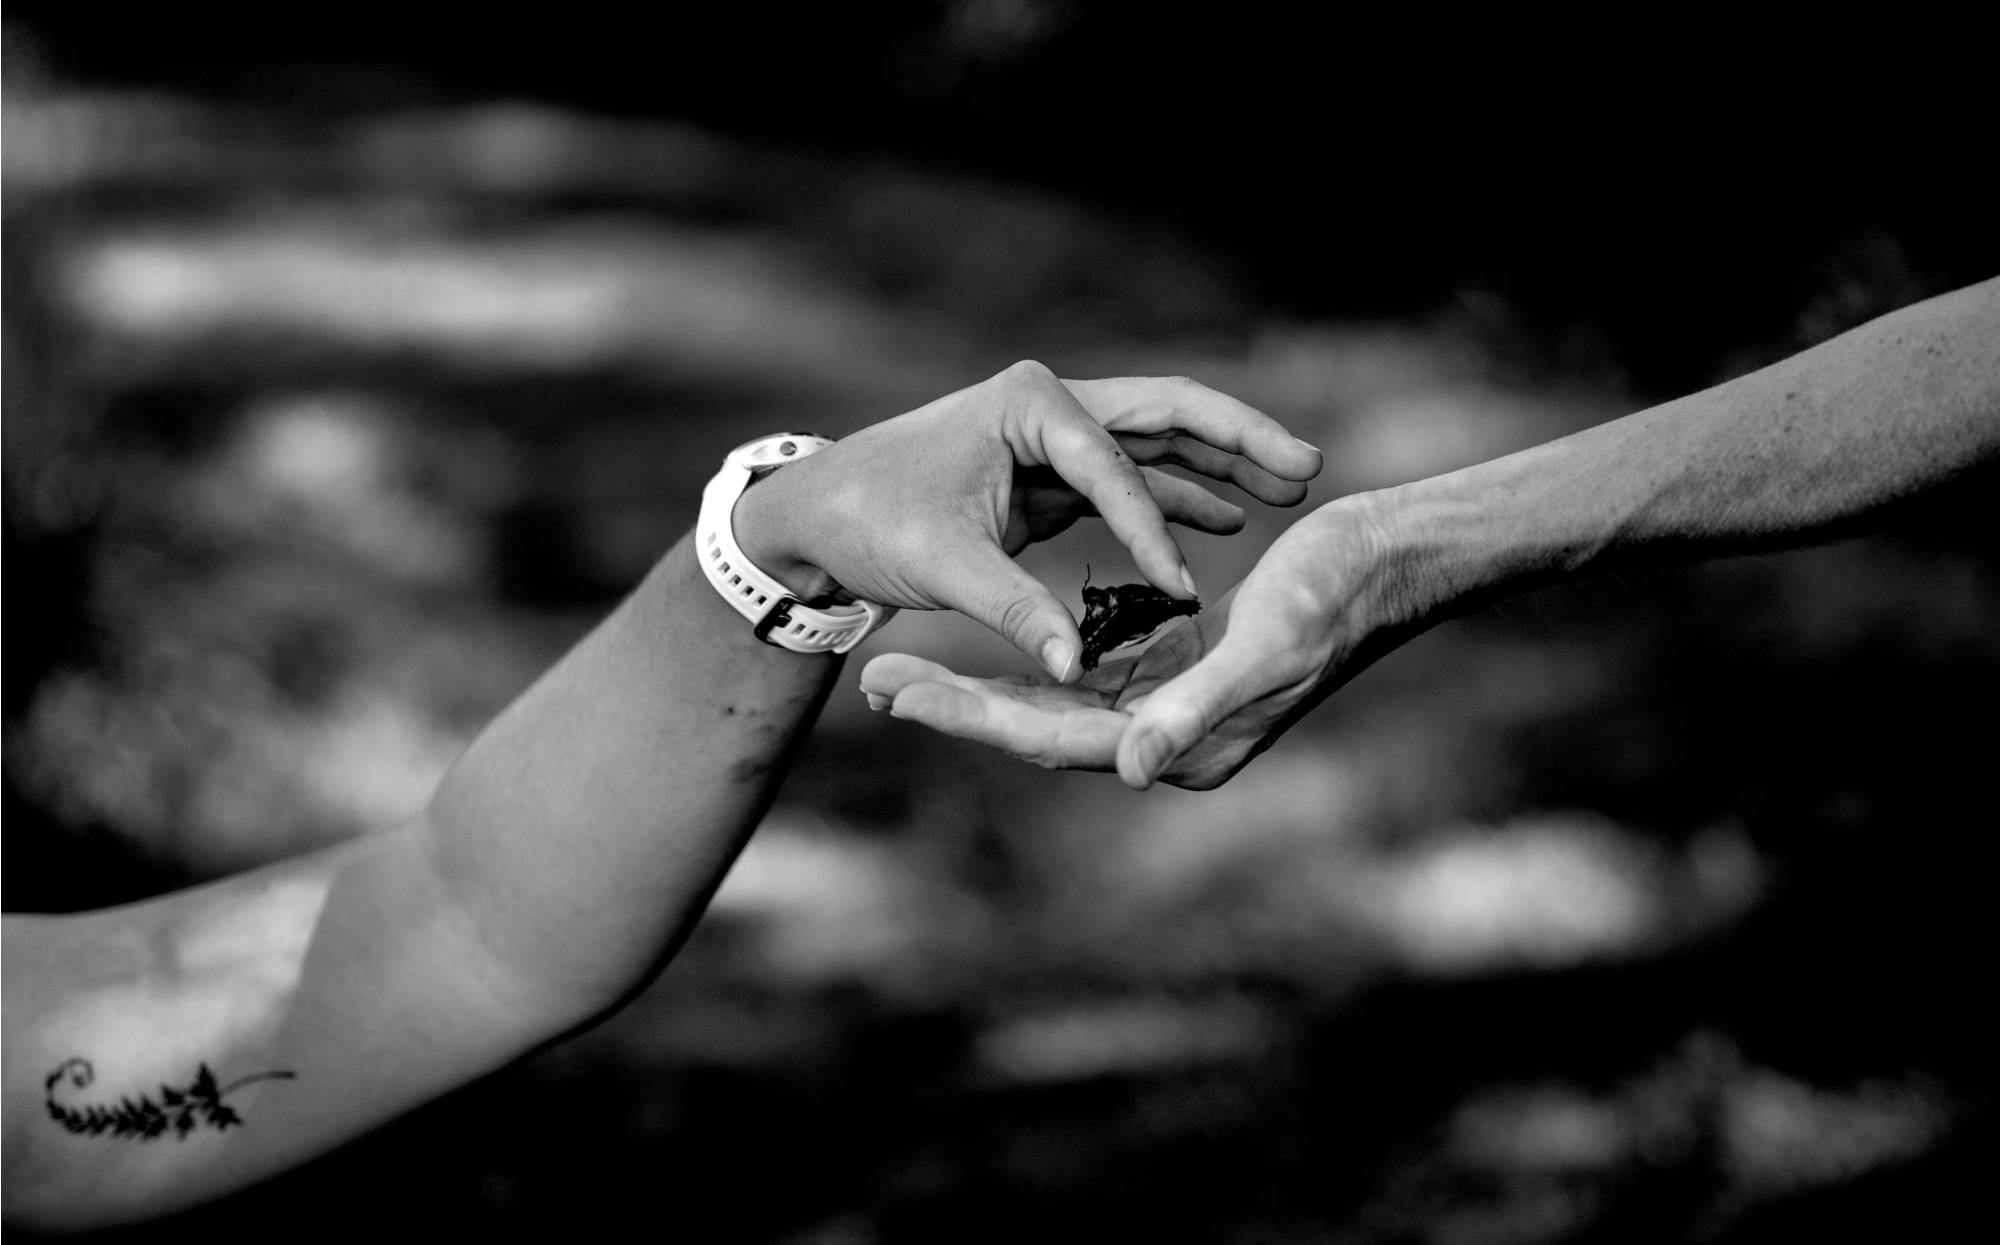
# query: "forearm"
{"type": "Point", "coordinates": [567, 853]}
{"type": "Point", "coordinates": [1787, 454]}
{"type": "Point", "coordinates": [561, 861]}
{"type": "Point", "coordinates": [584, 830]}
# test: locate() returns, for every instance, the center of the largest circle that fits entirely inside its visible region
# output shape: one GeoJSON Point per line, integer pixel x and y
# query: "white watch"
{"type": "Point", "coordinates": [776, 616]}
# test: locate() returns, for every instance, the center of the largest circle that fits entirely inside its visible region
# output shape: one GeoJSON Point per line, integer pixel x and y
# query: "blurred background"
{"type": "Point", "coordinates": [356, 363]}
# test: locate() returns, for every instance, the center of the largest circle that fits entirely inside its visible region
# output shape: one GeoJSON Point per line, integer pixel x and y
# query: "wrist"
{"type": "Point", "coordinates": [1455, 542]}
{"type": "Point", "coordinates": [1376, 566]}
{"type": "Point", "coordinates": [772, 523]}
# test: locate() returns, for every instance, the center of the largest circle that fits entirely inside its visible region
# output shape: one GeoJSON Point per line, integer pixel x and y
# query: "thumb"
{"type": "Point", "coordinates": [988, 586]}
{"type": "Point", "coordinates": [1183, 711]}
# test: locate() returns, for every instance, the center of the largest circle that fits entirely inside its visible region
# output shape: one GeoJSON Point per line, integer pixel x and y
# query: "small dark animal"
{"type": "Point", "coordinates": [1125, 614]}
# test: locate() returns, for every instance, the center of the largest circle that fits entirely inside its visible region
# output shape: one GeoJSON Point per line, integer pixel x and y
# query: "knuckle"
{"type": "Point", "coordinates": [1016, 617]}
{"type": "Point", "coordinates": [1042, 757]}
{"type": "Point", "coordinates": [1028, 371]}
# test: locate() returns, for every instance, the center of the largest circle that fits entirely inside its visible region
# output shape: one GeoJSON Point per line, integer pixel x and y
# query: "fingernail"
{"type": "Point", "coordinates": [877, 701]}
{"type": "Point", "coordinates": [1309, 445]}
{"type": "Point", "coordinates": [1187, 581]}
{"type": "Point", "coordinates": [1058, 657]}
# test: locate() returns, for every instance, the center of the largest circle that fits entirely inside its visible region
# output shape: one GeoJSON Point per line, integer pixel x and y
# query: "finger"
{"type": "Point", "coordinates": [1047, 509]}
{"type": "Point", "coordinates": [1085, 455]}
{"type": "Point", "coordinates": [1190, 505]}
{"type": "Point", "coordinates": [1068, 738]}
{"type": "Point", "coordinates": [993, 713]}
{"type": "Point", "coordinates": [1155, 404]}
{"type": "Point", "coordinates": [1216, 464]}
{"type": "Point", "coordinates": [986, 585]}
{"type": "Point", "coordinates": [889, 673]}
{"type": "Point", "coordinates": [1186, 709]}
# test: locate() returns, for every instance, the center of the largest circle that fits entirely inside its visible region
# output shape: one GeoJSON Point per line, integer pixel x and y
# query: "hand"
{"type": "Point", "coordinates": [1209, 694]}
{"type": "Point", "coordinates": [926, 511]}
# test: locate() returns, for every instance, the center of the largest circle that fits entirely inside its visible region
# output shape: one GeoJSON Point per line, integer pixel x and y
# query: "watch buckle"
{"type": "Point", "coordinates": [778, 615]}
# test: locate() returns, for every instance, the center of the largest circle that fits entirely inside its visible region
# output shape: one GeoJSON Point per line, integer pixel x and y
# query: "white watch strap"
{"type": "Point", "coordinates": [777, 615]}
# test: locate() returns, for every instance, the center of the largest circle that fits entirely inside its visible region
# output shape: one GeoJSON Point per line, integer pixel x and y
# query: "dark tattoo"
{"type": "Point", "coordinates": [1126, 614]}
{"type": "Point", "coordinates": [177, 1112]}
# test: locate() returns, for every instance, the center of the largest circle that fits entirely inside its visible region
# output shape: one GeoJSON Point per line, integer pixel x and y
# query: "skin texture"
{"type": "Point", "coordinates": [566, 855]}
{"type": "Point", "coordinates": [1062, 468]}
{"type": "Point", "coordinates": [1798, 451]}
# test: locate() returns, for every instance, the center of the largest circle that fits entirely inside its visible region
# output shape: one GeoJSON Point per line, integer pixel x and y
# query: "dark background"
{"type": "Point", "coordinates": [1677, 187]}
{"type": "Point", "coordinates": [358, 359]}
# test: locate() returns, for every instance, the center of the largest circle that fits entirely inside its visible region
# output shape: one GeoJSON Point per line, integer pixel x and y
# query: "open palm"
{"type": "Point", "coordinates": [1206, 697]}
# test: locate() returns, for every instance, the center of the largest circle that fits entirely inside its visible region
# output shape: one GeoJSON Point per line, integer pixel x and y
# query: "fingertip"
{"type": "Point", "coordinates": [1169, 575]}
{"type": "Point", "coordinates": [889, 673]}
{"type": "Point", "coordinates": [1295, 459]}
{"type": "Point", "coordinates": [1286, 492]}
{"type": "Point", "coordinates": [1310, 453]}
{"type": "Point", "coordinates": [875, 676]}
{"type": "Point", "coordinates": [1168, 570]}
{"type": "Point", "coordinates": [1129, 770]}
{"type": "Point", "coordinates": [1152, 753]}
{"type": "Point", "coordinates": [1059, 658]}
{"type": "Point", "coordinates": [1164, 566]}
{"type": "Point", "coordinates": [907, 705]}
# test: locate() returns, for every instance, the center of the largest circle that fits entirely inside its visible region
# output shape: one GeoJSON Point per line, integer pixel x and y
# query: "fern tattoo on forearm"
{"type": "Point", "coordinates": [177, 1112]}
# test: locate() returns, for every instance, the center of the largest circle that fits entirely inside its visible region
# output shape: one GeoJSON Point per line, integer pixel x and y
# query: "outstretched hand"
{"type": "Point", "coordinates": [932, 506]}
{"type": "Point", "coordinates": [1207, 696]}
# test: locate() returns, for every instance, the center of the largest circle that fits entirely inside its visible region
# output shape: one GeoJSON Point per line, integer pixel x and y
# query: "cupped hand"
{"type": "Point", "coordinates": [1208, 695]}
{"type": "Point", "coordinates": [925, 511]}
